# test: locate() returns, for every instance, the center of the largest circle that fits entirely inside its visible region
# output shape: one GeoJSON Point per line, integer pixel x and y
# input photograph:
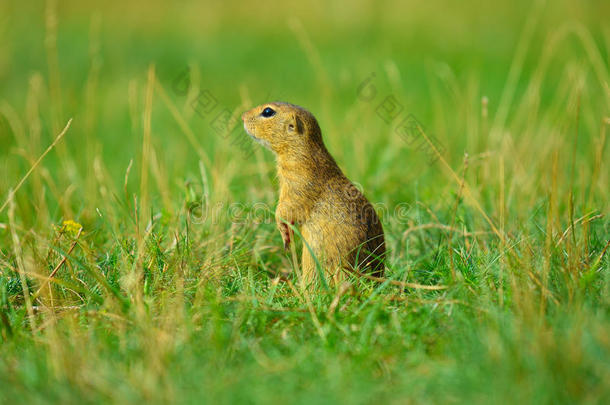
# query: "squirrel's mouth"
{"type": "Point", "coordinates": [263, 142]}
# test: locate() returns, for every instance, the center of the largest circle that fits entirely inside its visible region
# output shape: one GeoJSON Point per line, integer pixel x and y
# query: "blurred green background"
{"type": "Point", "coordinates": [313, 54]}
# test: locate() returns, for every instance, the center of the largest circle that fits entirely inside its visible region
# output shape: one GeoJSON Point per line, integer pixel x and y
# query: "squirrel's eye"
{"type": "Point", "coordinates": [268, 112]}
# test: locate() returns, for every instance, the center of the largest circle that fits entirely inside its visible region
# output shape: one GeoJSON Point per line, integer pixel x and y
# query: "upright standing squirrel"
{"type": "Point", "coordinates": [337, 223]}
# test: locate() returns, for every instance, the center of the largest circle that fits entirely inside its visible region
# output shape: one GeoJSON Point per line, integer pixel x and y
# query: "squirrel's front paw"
{"type": "Point", "coordinates": [286, 233]}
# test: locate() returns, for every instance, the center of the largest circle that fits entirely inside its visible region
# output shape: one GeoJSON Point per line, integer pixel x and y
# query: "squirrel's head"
{"type": "Point", "coordinates": [282, 127]}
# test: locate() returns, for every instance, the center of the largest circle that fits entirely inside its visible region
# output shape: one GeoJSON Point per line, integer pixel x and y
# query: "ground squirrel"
{"type": "Point", "coordinates": [337, 223]}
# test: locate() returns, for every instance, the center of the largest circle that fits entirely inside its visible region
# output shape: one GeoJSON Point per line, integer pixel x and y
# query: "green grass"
{"type": "Point", "coordinates": [170, 292]}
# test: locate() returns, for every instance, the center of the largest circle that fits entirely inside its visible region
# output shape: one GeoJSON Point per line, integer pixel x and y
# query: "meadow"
{"type": "Point", "coordinates": [139, 259]}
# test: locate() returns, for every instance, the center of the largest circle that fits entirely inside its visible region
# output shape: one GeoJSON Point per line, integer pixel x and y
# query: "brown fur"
{"type": "Point", "coordinates": [335, 218]}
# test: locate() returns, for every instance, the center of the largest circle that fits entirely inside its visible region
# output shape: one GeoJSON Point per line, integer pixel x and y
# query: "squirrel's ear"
{"type": "Point", "coordinates": [296, 125]}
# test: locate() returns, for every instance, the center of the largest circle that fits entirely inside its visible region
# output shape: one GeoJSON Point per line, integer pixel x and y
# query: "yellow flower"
{"type": "Point", "coordinates": [71, 227]}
